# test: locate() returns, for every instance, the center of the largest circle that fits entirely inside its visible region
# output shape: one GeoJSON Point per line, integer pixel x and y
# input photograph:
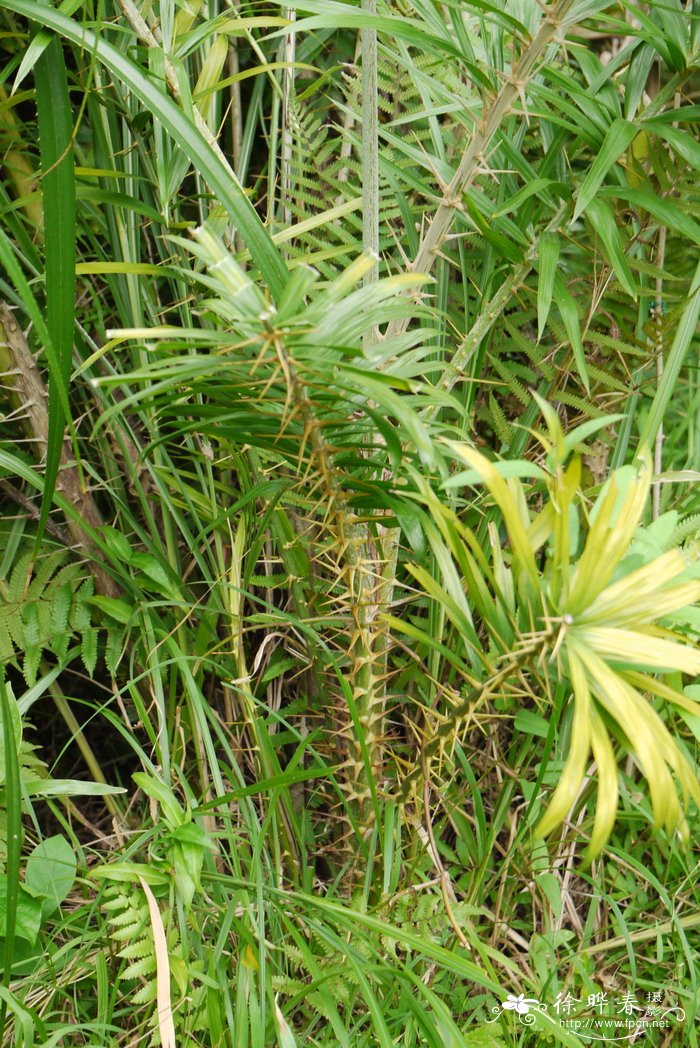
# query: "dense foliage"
{"type": "Point", "coordinates": [349, 541]}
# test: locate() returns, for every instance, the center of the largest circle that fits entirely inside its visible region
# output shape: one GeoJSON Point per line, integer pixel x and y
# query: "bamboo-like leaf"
{"type": "Point", "coordinates": [662, 210]}
{"type": "Point", "coordinates": [606, 801]}
{"type": "Point", "coordinates": [569, 316]}
{"type": "Point", "coordinates": [681, 142]}
{"type": "Point", "coordinates": [609, 537]}
{"type": "Point", "coordinates": [549, 248]}
{"type": "Point", "coordinates": [685, 333]}
{"type": "Point", "coordinates": [572, 775]}
{"type": "Point", "coordinates": [522, 550]}
{"type": "Point", "coordinates": [39, 44]}
{"type": "Point", "coordinates": [644, 595]}
{"type": "Point", "coordinates": [648, 737]}
{"type": "Point", "coordinates": [639, 648]}
{"type": "Point", "coordinates": [619, 136]}
{"type": "Point", "coordinates": [602, 220]}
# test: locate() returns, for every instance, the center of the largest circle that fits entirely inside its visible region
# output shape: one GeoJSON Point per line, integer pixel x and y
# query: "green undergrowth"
{"type": "Point", "coordinates": [349, 598]}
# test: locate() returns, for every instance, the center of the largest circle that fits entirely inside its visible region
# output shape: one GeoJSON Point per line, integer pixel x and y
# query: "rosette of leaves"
{"type": "Point", "coordinates": [571, 599]}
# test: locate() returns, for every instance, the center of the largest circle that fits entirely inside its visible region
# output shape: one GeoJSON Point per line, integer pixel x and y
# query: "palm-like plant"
{"type": "Point", "coordinates": [600, 621]}
{"type": "Point", "coordinates": [286, 388]}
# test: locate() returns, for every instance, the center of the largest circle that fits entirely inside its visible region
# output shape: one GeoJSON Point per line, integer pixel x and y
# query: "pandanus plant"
{"type": "Point", "coordinates": [593, 614]}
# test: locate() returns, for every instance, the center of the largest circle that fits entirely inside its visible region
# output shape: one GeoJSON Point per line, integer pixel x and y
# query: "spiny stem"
{"type": "Point", "coordinates": [488, 316]}
{"type": "Point", "coordinates": [359, 575]}
{"type": "Point", "coordinates": [473, 156]}
{"type": "Point", "coordinates": [659, 350]}
{"type": "Point", "coordinates": [286, 146]}
{"type": "Point", "coordinates": [453, 725]}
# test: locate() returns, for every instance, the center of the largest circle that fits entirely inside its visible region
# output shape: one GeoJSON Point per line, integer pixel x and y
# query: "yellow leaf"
{"type": "Point", "coordinates": [250, 960]}
{"type": "Point", "coordinates": [609, 537]}
{"type": "Point", "coordinates": [640, 648]}
{"type": "Point", "coordinates": [648, 737]}
{"type": "Point", "coordinates": [166, 1026]}
{"type": "Point", "coordinates": [574, 770]}
{"type": "Point", "coordinates": [606, 801]}
{"type": "Point", "coordinates": [523, 553]}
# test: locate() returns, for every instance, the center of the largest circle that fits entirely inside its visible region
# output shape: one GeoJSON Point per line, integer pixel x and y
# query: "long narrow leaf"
{"type": "Point", "coordinates": [620, 134]}
{"type": "Point", "coordinates": [14, 829]}
{"type": "Point", "coordinates": [602, 220]}
{"type": "Point", "coordinates": [569, 316]}
{"type": "Point", "coordinates": [548, 257]}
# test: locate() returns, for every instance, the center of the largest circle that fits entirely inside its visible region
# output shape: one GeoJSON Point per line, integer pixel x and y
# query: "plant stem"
{"type": "Point", "coordinates": [29, 395]}
{"type": "Point", "coordinates": [659, 350]}
{"type": "Point", "coordinates": [287, 93]}
{"type": "Point", "coordinates": [473, 156]}
{"type": "Point", "coordinates": [370, 143]}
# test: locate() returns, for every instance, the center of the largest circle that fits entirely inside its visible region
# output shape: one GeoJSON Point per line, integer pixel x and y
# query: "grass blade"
{"type": "Point", "coordinates": [39, 44]}
{"type": "Point", "coordinates": [14, 829]}
{"type": "Point", "coordinates": [603, 222]}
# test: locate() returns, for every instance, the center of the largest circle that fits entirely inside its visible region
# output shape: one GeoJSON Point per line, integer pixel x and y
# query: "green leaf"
{"type": "Point", "coordinates": [10, 714]}
{"type": "Point", "coordinates": [569, 316]}
{"type": "Point", "coordinates": [485, 1037]}
{"type": "Point", "coordinates": [682, 340]}
{"type": "Point", "coordinates": [692, 691]}
{"type": "Point", "coordinates": [155, 571]}
{"type": "Point", "coordinates": [114, 607]}
{"type": "Point", "coordinates": [188, 845]}
{"type": "Point", "coordinates": [619, 136]}
{"type": "Point", "coordinates": [662, 210]}
{"type": "Point", "coordinates": [58, 192]}
{"type": "Point", "coordinates": [549, 247]}
{"type": "Point", "coordinates": [531, 723]}
{"type": "Point", "coordinates": [515, 468]}
{"type": "Point", "coordinates": [117, 544]}
{"type": "Point", "coordinates": [39, 44]}
{"type": "Point", "coordinates": [50, 872]}
{"type": "Point", "coordinates": [638, 76]}
{"type": "Point", "coordinates": [579, 434]}
{"type": "Point", "coordinates": [25, 913]}
{"type": "Point", "coordinates": [603, 222]}
{"type": "Point", "coordinates": [681, 142]}
{"type": "Point", "coordinates": [156, 789]}
{"type": "Point", "coordinates": [131, 872]}
{"type": "Point", "coordinates": [70, 788]}
{"type": "Point", "coordinates": [534, 188]}
{"type": "Point", "coordinates": [550, 887]}
{"type": "Point", "coordinates": [12, 917]}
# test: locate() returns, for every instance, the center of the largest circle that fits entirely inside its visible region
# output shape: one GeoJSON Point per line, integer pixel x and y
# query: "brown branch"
{"type": "Point", "coordinates": [29, 395]}
{"type": "Point", "coordinates": [33, 510]}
